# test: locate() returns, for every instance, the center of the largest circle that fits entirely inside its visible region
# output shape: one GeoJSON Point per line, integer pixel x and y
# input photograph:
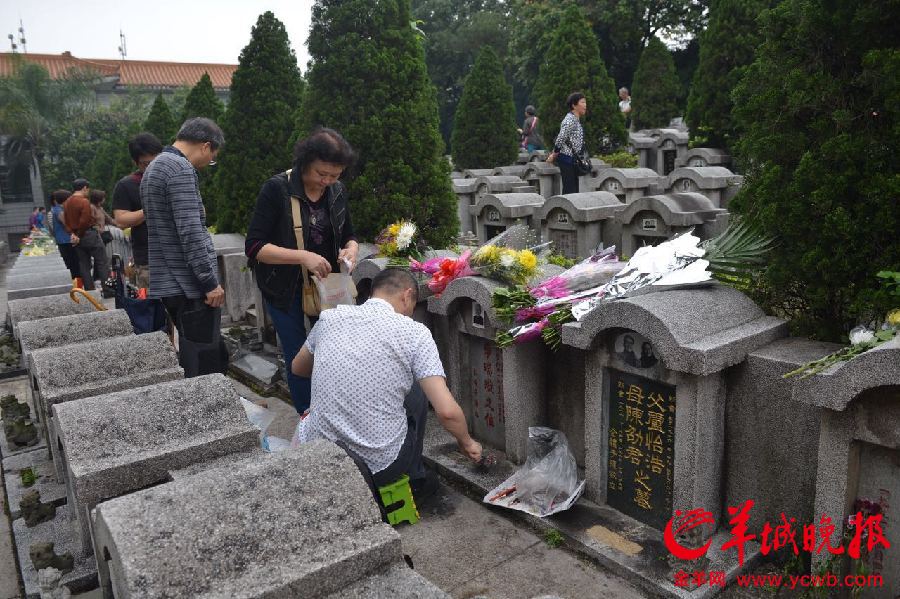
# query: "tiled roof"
{"type": "Point", "coordinates": [129, 72]}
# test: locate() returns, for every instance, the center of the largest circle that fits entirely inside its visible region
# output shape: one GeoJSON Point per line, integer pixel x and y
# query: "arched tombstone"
{"type": "Point", "coordinates": [475, 366]}
{"type": "Point", "coordinates": [578, 223]}
{"type": "Point", "coordinates": [465, 197]}
{"type": "Point", "coordinates": [544, 177]}
{"type": "Point", "coordinates": [494, 213]}
{"type": "Point", "coordinates": [654, 393]}
{"type": "Point", "coordinates": [652, 220]}
{"type": "Point", "coordinates": [701, 157]}
{"type": "Point", "coordinates": [859, 451]}
{"type": "Point", "coordinates": [628, 184]}
{"type": "Point", "coordinates": [717, 183]}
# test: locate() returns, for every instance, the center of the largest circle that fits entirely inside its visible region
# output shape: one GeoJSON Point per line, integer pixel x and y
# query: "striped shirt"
{"type": "Point", "coordinates": [181, 252]}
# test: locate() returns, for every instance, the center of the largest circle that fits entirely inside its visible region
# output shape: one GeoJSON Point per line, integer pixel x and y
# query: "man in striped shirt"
{"type": "Point", "coordinates": [181, 253]}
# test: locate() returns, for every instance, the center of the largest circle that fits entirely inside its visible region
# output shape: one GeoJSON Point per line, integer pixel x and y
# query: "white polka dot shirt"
{"type": "Point", "coordinates": [366, 360]}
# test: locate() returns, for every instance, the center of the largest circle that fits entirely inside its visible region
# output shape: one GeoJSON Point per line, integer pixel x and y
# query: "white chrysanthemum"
{"type": "Point", "coordinates": [405, 236]}
{"type": "Point", "coordinates": [861, 335]}
{"type": "Point", "coordinates": [507, 259]}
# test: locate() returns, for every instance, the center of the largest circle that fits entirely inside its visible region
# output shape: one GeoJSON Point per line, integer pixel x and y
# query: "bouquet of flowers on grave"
{"type": "Point", "coordinates": [38, 243]}
{"type": "Point", "coordinates": [862, 338]}
{"type": "Point", "coordinates": [443, 270]}
{"type": "Point", "coordinates": [533, 309]}
{"type": "Point", "coordinates": [685, 261]}
{"type": "Point", "coordinates": [511, 257]}
{"type": "Point", "coordinates": [397, 243]}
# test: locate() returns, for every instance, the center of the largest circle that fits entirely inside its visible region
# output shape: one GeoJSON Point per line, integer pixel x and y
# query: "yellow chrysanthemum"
{"type": "Point", "coordinates": [488, 253]}
{"type": "Point", "coordinates": [527, 259]}
{"type": "Point", "coordinates": [893, 317]}
{"type": "Point", "coordinates": [394, 229]}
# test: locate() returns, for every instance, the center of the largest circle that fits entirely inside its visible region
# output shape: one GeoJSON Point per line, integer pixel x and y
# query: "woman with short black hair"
{"type": "Point", "coordinates": [328, 237]}
{"type": "Point", "coordinates": [570, 142]}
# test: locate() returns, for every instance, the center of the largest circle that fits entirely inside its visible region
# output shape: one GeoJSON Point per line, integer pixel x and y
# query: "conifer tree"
{"type": "Point", "coordinates": [258, 123]}
{"type": "Point", "coordinates": [727, 47]}
{"type": "Point", "coordinates": [368, 80]}
{"type": "Point", "coordinates": [484, 131]}
{"type": "Point", "coordinates": [160, 121]}
{"type": "Point", "coordinates": [820, 128]}
{"type": "Point", "coordinates": [573, 63]}
{"type": "Point", "coordinates": [655, 91]}
{"type": "Point", "coordinates": [202, 101]}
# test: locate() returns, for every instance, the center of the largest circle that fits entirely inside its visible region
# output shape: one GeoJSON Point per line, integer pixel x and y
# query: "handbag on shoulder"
{"type": "Point", "coordinates": [310, 295]}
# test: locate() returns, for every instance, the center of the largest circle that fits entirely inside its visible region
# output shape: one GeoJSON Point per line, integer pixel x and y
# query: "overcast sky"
{"type": "Point", "coordinates": [167, 30]}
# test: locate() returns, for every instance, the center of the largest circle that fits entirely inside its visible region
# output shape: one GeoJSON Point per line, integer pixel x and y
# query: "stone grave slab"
{"type": "Point", "coordinates": [396, 582]}
{"type": "Point", "coordinates": [38, 284]}
{"type": "Point", "coordinates": [52, 490]}
{"type": "Point", "coordinates": [237, 280]}
{"type": "Point", "coordinates": [226, 460]}
{"type": "Point", "coordinates": [38, 308]}
{"type": "Point", "coordinates": [247, 530]}
{"type": "Point", "coordinates": [103, 366]}
{"type": "Point", "coordinates": [63, 535]}
{"type": "Point", "coordinates": [74, 328]}
{"type": "Point", "coordinates": [112, 445]}
{"type": "Point", "coordinates": [257, 369]}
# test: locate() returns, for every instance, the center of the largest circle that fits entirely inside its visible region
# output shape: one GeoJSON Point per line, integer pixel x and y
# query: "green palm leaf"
{"type": "Point", "coordinates": [738, 253]}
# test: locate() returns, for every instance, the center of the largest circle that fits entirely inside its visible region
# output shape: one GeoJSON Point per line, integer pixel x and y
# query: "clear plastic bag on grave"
{"type": "Point", "coordinates": [547, 483]}
{"type": "Point", "coordinates": [550, 474]}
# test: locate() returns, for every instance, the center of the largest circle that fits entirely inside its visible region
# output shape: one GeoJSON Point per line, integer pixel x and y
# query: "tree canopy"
{"type": "Point", "coordinates": [202, 101]}
{"type": "Point", "coordinates": [258, 123]}
{"type": "Point", "coordinates": [820, 136]}
{"type": "Point", "coordinates": [369, 81]}
{"type": "Point", "coordinates": [484, 135]}
{"type": "Point", "coordinates": [656, 88]}
{"type": "Point", "coordinates": [726, 48]}
{"type": "Point", "coordinates": [160, 122]}
{"type": "Point", "coordinates": [573, 63]}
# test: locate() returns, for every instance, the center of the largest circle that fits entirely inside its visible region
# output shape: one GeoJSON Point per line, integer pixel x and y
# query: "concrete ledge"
{"type": "Point", "coordinates": [74, 328]}
{"type": "Point", "coordinates": [39, 308]}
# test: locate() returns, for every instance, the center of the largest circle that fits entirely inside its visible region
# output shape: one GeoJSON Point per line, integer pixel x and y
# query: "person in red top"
{"type": "Point", "coordinates": [79, 219]}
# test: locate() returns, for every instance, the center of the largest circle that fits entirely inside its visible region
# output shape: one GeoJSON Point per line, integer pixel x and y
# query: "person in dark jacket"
{"type": "Point", "coordinates": [328, 238]}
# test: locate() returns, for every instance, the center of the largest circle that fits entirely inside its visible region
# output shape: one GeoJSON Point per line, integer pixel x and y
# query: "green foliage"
{"type": "Point", "coordinates": [92, 142]}
{"type": "Point", "coordinates": [160, 121]}
{"type": "Point", "coordinates": [573, 63]}
{"type": "Point", "coordinates": [368, 80]}
{"type": "Point", "coordinates": [27, 476]}
{"type": "Point", "coordinates": [454, 31]}
{"type": "Point", "coordinates": [726, 48]}
{"type": "Point", "coordinates": [202, 101]}
{"type": "Point", "coordinates": [821, 138]}
{"type": "Point", "coordinates": [560, 260]}
{"type": "Point", "coordinates": [258, 123]}
{"type": "Point", "coordinates": [620, 159]}
{"type": "Point", "coordinates": [654, 94]}
{"type": "Point", "coordinates": [553, 538]}
{"type": "Point", "coordinates": [484, 135]}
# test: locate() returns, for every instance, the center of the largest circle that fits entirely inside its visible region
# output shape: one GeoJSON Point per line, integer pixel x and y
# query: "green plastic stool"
{"type": "Point", "coordinates": [398, 501]}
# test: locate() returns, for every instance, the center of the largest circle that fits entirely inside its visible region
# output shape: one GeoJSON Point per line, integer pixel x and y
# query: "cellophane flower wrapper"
{"type": "Point", "coordinates": [448, 269]}
{"type": "Point", "coordinates": [513, 257]}
{"type": "Point", "coordinates": [675, 263]}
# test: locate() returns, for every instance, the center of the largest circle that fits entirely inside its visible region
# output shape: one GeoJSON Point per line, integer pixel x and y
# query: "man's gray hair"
{"type": "Point", "coordinates": [623, 89]}
{"type": "Point", "coordinates": [201, 130]}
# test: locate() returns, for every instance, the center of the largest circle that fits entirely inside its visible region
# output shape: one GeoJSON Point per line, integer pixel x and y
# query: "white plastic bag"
{"type": "Point", "coordinates": [335, 289]}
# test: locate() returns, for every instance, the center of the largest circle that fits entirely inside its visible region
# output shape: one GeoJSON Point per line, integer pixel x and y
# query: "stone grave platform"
{"type": "Point", "coordinates": [20, 286]}
{"type": "Point", "coordinates": [112, 445]}
{"type": "Point", "coordinates": [74, 328]}
{"type": "Point", "coordinates": [64, 536]}
{"type": "Point", "coordinates": [295, 523]}
{"type": "Point", "coordinates": [38, 308]}
{"type": "Point", "coordinates": [52, 490]}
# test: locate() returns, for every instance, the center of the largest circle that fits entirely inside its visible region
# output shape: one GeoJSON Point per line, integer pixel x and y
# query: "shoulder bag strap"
{"type": "Point", "coordinates": [298, 225]}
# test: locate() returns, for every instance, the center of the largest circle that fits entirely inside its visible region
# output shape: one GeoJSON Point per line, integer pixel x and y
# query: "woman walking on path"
{"type": "Point", "coordinates": [570, 142]}
{"type": "Point", "coordinates": [531, 136]}
{"type": "Point", "coordinates": [328, 238]}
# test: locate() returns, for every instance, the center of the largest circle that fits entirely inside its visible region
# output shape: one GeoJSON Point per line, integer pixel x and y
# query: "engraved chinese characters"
{"type": "Point", "coordinates": [489, 418]}
{"type": "Point", "coordinates": [641, 447]}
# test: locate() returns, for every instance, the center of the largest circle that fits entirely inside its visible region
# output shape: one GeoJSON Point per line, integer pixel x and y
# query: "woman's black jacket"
{"type": "Point", "coordinates": [272, 223]}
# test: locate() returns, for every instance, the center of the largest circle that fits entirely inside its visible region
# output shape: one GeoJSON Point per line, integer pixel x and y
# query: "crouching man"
{"type": "Point", "coordinates": [372, 367]}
